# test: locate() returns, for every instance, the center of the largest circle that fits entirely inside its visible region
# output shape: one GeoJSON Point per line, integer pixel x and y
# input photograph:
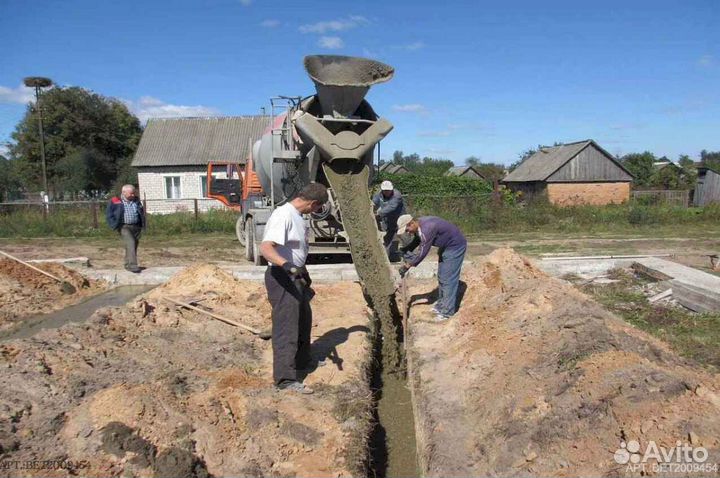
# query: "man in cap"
{"type": "Point", "coordinates": [285, 246]}
{"type": "Point", "coordinates": [451, 244]}
{"type": "Point", "coordinates": [389, 206]}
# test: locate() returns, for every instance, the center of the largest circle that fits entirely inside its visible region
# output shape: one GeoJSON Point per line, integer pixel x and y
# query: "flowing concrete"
{"type": "Point", "coordinates": [319, 273]}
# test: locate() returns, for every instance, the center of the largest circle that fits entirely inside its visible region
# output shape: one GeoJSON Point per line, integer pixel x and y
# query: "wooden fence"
{"type": "Point", "coordinates": [663, 196]}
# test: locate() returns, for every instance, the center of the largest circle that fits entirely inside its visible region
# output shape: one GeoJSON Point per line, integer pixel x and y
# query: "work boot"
{"type": "Point", "coordinates": [295, 386]}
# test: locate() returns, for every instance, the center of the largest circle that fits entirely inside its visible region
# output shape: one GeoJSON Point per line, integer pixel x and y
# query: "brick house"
{"type": "Point", "coordinates": [173, 154]}
{"type": "Point", "coordinates": [574, 173]}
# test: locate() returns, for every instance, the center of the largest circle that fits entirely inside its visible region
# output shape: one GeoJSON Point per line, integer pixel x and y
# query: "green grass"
{"type": "Point", "coordinates": [695, 336]}
{"type": "Point", "coordinates": [474, 216]}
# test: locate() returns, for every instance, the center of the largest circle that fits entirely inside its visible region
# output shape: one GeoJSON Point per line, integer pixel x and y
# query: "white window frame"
{"type": "Point", "coordinates": [203, 185]}
{"type": "Point", "coordinates": [179, 185]}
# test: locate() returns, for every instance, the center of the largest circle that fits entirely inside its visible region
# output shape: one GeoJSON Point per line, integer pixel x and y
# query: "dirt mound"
{"type": "Point", "coordinates": [150, 389]}
{"type": "Point", "coordinates": [533, 377]}
{"type": "Point", "coordinates": [25, 292]}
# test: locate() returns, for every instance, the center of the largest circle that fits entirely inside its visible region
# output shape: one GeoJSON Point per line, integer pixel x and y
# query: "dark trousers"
{"type": "Point", "coordinates": [130, 235]}
{"type": "Point", "coordinates": [291, 324]}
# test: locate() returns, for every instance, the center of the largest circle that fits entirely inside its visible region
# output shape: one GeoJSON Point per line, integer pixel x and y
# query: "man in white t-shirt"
{"type": "Point", "coordinates": [285, 247]}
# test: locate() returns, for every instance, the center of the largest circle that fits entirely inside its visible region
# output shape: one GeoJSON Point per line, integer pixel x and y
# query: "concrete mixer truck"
{"type": "Point", "coordinates": [312, 139]}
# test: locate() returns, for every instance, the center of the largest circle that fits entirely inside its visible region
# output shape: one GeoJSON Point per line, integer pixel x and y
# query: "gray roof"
{"type": "Point", "coordinates": [198, 141]}
{"type": "Point", "coordinates": [545, 162]}
{"type": "Point", "coordinates": [460, 170]}
{"type": "Point", "coordinates": [392, 168]}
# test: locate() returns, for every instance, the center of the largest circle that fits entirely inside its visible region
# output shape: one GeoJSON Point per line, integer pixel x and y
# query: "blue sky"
{"type": "Point", "coordinates": [488, 79]}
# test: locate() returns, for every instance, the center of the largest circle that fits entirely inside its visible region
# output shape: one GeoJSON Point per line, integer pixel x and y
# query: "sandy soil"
{"type": "Point", "coordinates": [25, 292]}
{"type": "Point", "coordinates": [152, 390]}
{"type": "Point", "coordinates": [533, 377]}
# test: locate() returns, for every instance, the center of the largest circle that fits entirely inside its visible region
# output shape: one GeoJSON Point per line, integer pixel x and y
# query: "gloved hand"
{"type": "Point", "coordinates": [292, 270]}
{"type": "Point", "coordinates": [403, 270]}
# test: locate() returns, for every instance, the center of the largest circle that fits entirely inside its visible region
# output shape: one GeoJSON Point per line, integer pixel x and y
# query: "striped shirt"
{"type": "Point", "coordinates": [130, 212]}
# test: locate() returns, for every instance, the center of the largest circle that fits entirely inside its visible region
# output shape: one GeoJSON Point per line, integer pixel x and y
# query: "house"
{"type": "Point", "coordinates": [658, 165]}
{"type": "Point", "coordinates": [573, 173]}
{"type": "Point", "coordinates": [468, 172]}
{"type": "Point", "coordinates": [173, 154]}
{"type": "Point", "coordinates": [707, 190]}
{"type": "Point", "coordinates": [392, 168]}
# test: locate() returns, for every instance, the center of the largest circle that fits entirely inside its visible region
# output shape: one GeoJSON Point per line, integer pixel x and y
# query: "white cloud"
{"type": "Point", "coordinates": [338, 25]}
{"type": "Point", "coordinates": [4, 150]}
{"type": "Point", "coordinates": [706, 60]}
{"type": "Point", "coordinates": [441, 151]}
{"type": "Point", "coordinates": [245, 3]}
{"type": "Point", "coordinates": [20, 95]}
{"type": "Point", "coordinates": [270, 23]}
{"type": "Point", "coordinates": [411, 46]}
{"type": "Point", "coordinates": [149, 107]}
{"type": "Point", "coordinates": [331, 43]}
{"type": "Point", "coordinates": [410, 108]}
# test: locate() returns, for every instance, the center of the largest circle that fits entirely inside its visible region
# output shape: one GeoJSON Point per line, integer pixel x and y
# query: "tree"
{"type": "Point", "coordinates": [640, 165]}
{"type": "Point", "coordinates": [88, 140]}
{"type": "Point", "coordinates": [490, 171]}
{"type": "Point", "coordinates": [426, 166]}
{"type": "Point", "coordinates": [10, 184]}
{"type": "Point", "coordinates": [710, 159]}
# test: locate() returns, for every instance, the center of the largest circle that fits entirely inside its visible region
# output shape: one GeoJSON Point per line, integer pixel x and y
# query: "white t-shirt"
{"type": "Point", "coordinates": [286, 228]}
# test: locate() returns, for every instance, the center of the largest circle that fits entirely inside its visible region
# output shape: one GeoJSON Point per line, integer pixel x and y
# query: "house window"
{"type": "Point", "coordinates": [203, 185]}
{"type": "Point", "coordinates": [172, 187]}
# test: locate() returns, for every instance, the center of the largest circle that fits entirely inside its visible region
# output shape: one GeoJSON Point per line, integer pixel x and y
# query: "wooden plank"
{"type": "Point", "coordinates": [695, 298]}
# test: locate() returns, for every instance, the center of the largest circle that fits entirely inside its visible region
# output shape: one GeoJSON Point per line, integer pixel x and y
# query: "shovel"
{"type": "Point", "coordinates": [263, 334]}
{"type": "Point", "coordinates": [67, 288]}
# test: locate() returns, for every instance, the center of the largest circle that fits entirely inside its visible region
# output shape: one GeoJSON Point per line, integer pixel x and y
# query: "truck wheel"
{"type": "Point", "coordinates": [258, 259]}
{"type": "Point", "coordinates": [249, 240]}
{"type": "Point", "coordinates": [240, 230]}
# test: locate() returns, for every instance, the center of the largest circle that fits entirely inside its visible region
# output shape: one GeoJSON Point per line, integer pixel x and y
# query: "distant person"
{"type": "Point", "coordinates": [285, 246]}
{"type": "Point", "coordinates": [125, 214]}
{"type": "Point", "coordinates": [389, 206]}
{"type": "Point", "coordinates": [451, 244]}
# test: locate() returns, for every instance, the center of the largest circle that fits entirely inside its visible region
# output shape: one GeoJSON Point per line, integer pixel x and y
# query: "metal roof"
{"type": "Point", "coordinates": [198, 141]}
{"type": "Point", "coordinates": [541, 165]}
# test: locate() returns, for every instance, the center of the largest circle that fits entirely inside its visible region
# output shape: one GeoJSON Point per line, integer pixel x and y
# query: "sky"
{"type": "Point", "coordinates": [472, 78]}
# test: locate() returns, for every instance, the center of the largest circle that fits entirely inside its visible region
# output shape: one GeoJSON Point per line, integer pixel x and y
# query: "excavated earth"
{"type": "Point", "coordinates": [152, 390]}
{"type": "Point", "coordinates": [532, 377]}
{"type": "Point", "coordinates": [25, 292]}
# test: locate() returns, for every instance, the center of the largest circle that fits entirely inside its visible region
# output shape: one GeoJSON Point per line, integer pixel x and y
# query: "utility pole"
{"type": "Point", "coordinates": [38, 82]}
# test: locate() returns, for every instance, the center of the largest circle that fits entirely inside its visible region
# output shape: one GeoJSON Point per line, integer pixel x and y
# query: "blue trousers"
{"type": "Point", "coordinates": [449, 267]}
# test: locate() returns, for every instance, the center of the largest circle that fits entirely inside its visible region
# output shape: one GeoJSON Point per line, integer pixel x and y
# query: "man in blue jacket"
{"type": "Point", "coordinates": [389, 206]}
{"type": "Point", "coordinates": [451, 245]}
{"type": "Point", "coordinates": [125, 214]}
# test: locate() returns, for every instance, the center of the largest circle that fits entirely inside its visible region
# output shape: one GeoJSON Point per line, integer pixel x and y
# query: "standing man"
{"type": "Point", "coordinates": [285, 246]}
{"type": "Point", "coordinates": [125, 215]}
{"type": "Point", "coordinates": [389, 207]}
{"type": "Point", "coordinates": [451, 245]}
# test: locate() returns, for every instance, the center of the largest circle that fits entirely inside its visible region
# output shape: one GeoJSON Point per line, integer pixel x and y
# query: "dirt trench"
{"type": "Point", "coordinates": [532, 377]}
{"type": "Point", "coordinates": [152, 390]}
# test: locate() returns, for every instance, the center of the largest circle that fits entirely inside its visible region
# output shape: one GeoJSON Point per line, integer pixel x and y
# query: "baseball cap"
{"type": "Point", "coordinates": [402, 223]}
{"type": "Point", "coordinates": [386, 186]}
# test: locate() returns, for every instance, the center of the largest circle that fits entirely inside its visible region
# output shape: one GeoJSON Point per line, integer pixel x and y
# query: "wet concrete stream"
{"type": "Point", "coordinates": [75, 313]}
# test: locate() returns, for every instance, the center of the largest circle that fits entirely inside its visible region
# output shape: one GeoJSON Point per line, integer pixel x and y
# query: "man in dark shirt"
{"type": "Point", "coordinates": [125, 214]}
{"type": "Point", "coordinates": [451, 245]}
{"type": "Point", "coordinates": [389, 206]}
